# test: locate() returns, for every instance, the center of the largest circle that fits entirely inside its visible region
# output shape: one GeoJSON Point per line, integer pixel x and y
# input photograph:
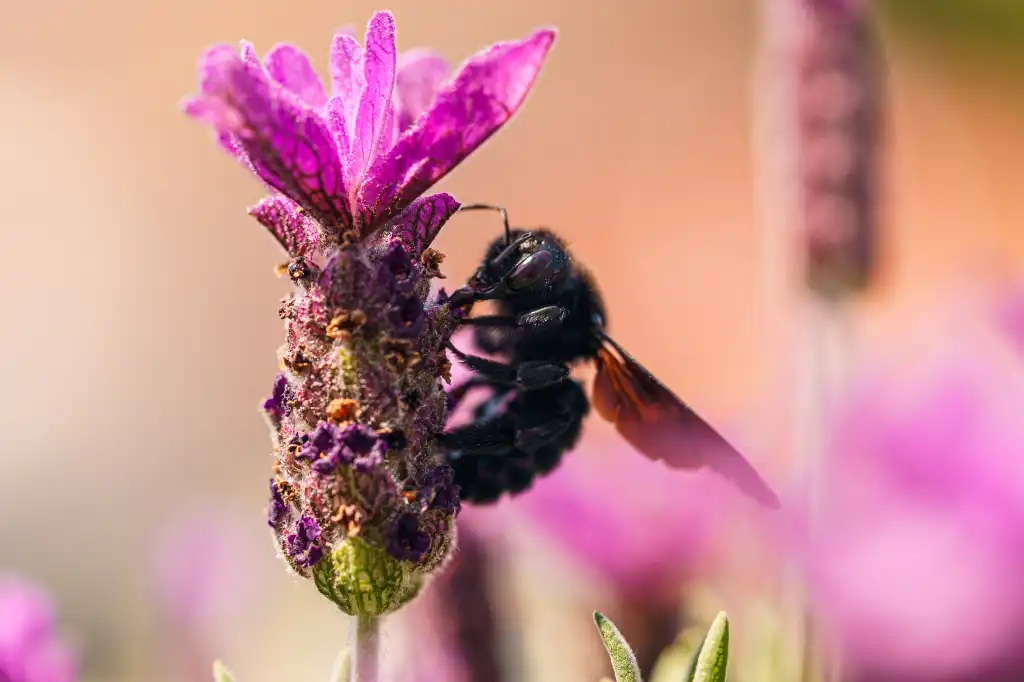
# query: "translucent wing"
{"type": "Point", "coordinates": [658, 424]}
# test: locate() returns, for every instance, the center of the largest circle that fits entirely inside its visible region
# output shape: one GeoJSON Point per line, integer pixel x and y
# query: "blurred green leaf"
{"type": "Point", "coordinates": [993, 28]}
{"type": "Point", "coordinates": [675, 663]}
{"type": "Point", "coordinates": [221, 673]}
{"type": "Point", "coordinates": [623, 661]}
{"type": "Point", "coordinates": [342, 666]}
{"type": "Point", "coordinates": [711, 662]}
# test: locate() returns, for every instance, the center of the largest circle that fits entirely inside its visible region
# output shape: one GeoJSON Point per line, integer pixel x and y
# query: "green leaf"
{"type": "Point", "coordinates": [342, 666]}
{"type": "Point", "coordinates": [221, 673]}
{"type": "Point", "coordinates": [711, 662]}
{"type": "Point", "coordinates": [623, 661]}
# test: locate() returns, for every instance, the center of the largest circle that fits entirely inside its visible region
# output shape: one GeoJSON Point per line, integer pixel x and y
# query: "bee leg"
{"type": "Point", "coordinates": [456, 394]}
{"type": "Point", "coordinates": [539, 320]}
{"type": "Point", "coordinates": [542, 319]}
{"type": "Point", "coordinates": [530, 375]}
{"type": "Point", "coordinates": [489, 321]}
{"type": "Point", "coordinates": [496, 372]}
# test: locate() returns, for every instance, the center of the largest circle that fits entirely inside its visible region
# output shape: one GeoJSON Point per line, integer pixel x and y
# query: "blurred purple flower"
{"type": "Point", "coordinates": [30, 649]}
{"type": "Point", "coordinates": [643, 527]}
{"type": "Point", "coordinates": [206, 570]}
{"type": "Point", "coordinates": [917, 562]}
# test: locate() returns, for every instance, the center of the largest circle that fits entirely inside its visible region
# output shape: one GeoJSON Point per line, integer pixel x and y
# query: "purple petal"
{"type": "Point", "coordinates": [388, 133]}
{"type": "Point", "coordinates": [347, 80]}
{"type": "Point", "coordinates": [375, 99]}
{"type": "Point", "coordinates": [346, 67]}
{"type": "Point", "coordinates": [290, 67]}
{"type": "Point", "coordinates": [335, 114]}
{"type": "Point", "coordinates": [287, 143]}
{"type": "Point", "coordinates": [420, 74]}
{"type": "Point", "coordinates": [418, 224]}
{"type": "Point", "coordinates": [488, 89]}
{"type": "Point", "coordinates": [292, 228]}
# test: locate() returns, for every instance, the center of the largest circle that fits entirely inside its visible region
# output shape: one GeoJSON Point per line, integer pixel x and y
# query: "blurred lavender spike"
{"type": "Point", "coordinates": [838, 104]}
{"type": "Point", "coordinates": [456, 627]}
{"type": "Point", "coordinates": [826, 80]}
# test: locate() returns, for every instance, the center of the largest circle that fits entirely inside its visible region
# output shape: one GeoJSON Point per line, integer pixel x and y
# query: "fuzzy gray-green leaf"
{"type": "Point", "coordinates": [712, 660]}
{"type": "Point", "coordinates": [221, 673]}
{"type": "Point", "coordinates": [623, 661]}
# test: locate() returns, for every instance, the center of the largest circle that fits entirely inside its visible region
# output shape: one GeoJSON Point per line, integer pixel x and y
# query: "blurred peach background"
{"type": "Point", "coordinates": [141, 323]}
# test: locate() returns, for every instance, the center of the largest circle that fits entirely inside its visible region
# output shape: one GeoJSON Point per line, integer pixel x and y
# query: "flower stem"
{"type": "Point", "coordinates": [826, 355]}
{"type": "Point", "coordinates": [367, 649]}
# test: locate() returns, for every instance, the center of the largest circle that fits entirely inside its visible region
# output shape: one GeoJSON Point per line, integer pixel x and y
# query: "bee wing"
{"type": "Point", "coordinates": [662, 427]}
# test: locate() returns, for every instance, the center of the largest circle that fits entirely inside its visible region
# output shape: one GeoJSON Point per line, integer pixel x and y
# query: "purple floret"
{"type": "Point", "coordinates": [406, 316]}
{"type": "Point", "coordinates": [397, 260]}
{"type": "Point", "coordinates": [440, 490]}
{"type": "Point", "coordinates": [274, 405]}
{"type": "Point", "coordinates": [304, 545]}
{"type": "Point", "coordinates": [323, 449]}
{"type": "Point", "coordinates": [363, 448]}
{"type": "Point", "coordinates": [406, 541]}
{"type": "Point", "coordinates": [330, 446]}
{"type": "Point", "coordinates": [278, 509]}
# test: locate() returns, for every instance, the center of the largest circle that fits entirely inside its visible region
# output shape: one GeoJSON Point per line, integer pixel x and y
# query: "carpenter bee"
{"type": "Point", "coordinates": [549, 315]}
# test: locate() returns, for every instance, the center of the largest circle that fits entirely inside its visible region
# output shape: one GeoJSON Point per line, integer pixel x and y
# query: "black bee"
{"type": "Point", "coordinates": [550, 316]}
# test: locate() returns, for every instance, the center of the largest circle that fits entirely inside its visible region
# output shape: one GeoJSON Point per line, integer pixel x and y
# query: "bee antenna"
{"type": "Point", "coordinates": [492, 207]}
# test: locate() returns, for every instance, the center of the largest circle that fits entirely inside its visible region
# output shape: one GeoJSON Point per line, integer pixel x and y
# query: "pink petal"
{"type": "Point", "coordinates": [487, 91]}
{"type": "Point", "coordinates": [347, 80]}
{"type": "Point", "coordinates": [335, 115]}
{"type": "Point", "coordinates": [287, 143]}
{"type": "Point", "coordinates": [291, 68]}
{"type": "Point", "coordinates": [420, 74]}
{"type": "Point", "coordinates": [375, 99]}
{"type": "Point", "coordinates": [388, 133]}
{"type": "Point", "coordinates": [346, 66]}
{"type": "Point", "coordinates": [292, 228]}
{"type": "Point", "coordinates": [418, 224]}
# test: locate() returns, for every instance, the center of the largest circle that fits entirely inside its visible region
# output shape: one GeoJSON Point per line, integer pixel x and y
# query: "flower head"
{"type": "Point", "coordinates": [30, 649]}
{"type": "Point", "coordinates": [359, 501]}
{"type": "Point", "coordinates": [390, 128]}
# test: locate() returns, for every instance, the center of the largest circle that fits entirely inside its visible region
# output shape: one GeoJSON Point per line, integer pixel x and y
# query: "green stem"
{"type": "Point", "coordinates": [366, 667]}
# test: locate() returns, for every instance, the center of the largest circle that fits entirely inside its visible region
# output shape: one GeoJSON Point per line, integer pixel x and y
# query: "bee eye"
{"type": "Point", "coordinates": [532, 269]}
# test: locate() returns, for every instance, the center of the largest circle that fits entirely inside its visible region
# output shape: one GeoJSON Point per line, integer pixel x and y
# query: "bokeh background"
{"type": "Point", "coordinates": [140, 301]}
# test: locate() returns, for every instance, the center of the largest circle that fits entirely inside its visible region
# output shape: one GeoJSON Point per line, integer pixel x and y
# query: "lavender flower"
{"type": "Point", "coordinates": [357, 503]}
{"type": "Point", "coordinates": [917, 560]}
{"type": "Point", "coordinates": [30, 649]}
